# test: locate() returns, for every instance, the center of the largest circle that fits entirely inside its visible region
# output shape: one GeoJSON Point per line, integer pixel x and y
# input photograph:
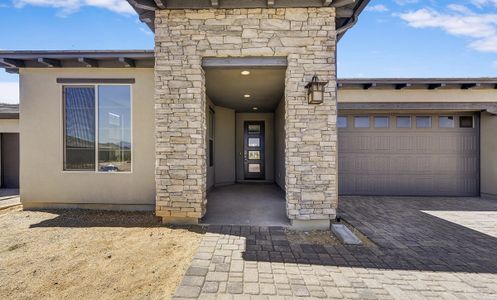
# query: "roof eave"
{"type": "Point", "coordinates": [12, 61]}
{"type": "Point", "coordinates": [419, 83]}
{"type": "Point", "coordinates": [347, 11]}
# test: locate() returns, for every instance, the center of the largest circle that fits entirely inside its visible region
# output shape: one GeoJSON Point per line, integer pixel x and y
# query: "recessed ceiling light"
{"type": "Point", "coordinates": [246, 96]}
{"type": "Point", "coordinates": [245, 72]}
{"type": "Point", "coordinates": [254, 108]}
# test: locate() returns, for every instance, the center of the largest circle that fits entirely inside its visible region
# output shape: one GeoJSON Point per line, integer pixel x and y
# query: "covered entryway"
{"type": "Point", "coordinates": [255, 204]}
{"type": "Point", "coordinates": [245, 141]}
{"type": "Point", "coordinates": [409, 154]}
{"type": "Point", "coordinates": [9, 153]}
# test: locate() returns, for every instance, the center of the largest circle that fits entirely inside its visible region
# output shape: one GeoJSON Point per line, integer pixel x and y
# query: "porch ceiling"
{"type": "Point", "coordinates": [227, 87]}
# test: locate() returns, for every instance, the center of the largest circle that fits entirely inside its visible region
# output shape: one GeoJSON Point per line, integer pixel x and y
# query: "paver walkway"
{"type": "Point", "coordinates": [421, 251]}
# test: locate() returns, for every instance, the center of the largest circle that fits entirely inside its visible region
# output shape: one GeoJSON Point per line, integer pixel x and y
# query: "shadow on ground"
{"type": "Point", "coordinates": [403, 236]}
{"type": "Point", "coordinates": [80, 218]}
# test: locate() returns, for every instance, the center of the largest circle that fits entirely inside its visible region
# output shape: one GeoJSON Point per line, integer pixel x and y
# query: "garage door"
{"type": "Point", "coordinates": [409, 155]}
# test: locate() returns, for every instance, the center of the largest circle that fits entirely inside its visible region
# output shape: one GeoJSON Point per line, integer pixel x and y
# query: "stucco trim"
{"type": "Point", "coordinates": [469, 106]}
{"type": "Point", "coordinates": [96, 80]}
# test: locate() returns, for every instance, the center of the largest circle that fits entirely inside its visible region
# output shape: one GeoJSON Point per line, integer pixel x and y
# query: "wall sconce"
{"type": "Point", "coordinates": [315, 90]}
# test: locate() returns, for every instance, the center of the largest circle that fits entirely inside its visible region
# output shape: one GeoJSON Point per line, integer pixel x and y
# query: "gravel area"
{"type": "Point", "coordinates": [79, 254]}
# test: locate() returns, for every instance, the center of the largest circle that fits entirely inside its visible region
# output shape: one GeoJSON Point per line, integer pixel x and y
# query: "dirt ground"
{"type": "Point", "coordinates": [91, 255]}
{"type": "Point", "coordinates": [323, 237]}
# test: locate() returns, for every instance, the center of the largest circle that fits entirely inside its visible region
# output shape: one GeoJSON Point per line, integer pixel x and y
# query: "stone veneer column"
{"type": "Point", "coordinates": [306, 36]}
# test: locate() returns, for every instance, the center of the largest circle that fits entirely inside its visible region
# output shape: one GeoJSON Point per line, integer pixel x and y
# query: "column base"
{"type": "Point", "coordinates": [306, 225]}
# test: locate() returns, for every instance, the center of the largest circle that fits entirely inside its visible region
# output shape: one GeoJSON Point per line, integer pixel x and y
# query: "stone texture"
{"type": "Point", "coordinates": [307, 38]}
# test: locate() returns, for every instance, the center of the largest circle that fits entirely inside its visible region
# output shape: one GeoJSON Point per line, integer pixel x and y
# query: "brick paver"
{"type": "Point", "coordinates": [420, 250]}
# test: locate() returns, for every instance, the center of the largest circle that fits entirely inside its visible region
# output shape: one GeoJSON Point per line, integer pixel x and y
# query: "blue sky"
{"type": "Point", "coordinates": [394, 38]}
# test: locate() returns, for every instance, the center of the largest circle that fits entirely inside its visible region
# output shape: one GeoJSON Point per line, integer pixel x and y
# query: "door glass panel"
{"type": "Point", "coordinates": [254, 128]}
{"type": "Point", "coordinates": [254, 142]}
{"type": "Point", "coordinates": [254, 168]}
{"type": "Point", "coordinates": [254, 154]}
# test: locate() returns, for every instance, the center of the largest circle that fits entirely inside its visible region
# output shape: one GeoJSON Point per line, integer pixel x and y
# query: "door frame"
{"type": "Point", "coordinates": [261, 148]}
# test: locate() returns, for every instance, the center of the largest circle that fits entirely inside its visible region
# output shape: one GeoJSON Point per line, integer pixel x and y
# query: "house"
{"type": "Point", "coordinates": [243, 92]}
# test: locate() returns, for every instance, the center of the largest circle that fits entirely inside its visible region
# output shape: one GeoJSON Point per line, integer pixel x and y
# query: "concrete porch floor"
{"type": "Point", "coordinates": [255, 204]}
{"type": "Point", "coordinates": [9, 198]}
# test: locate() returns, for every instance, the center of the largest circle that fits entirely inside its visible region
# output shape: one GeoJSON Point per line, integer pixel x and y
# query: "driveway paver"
{"type": "Point", "coordinates": [420, 250]}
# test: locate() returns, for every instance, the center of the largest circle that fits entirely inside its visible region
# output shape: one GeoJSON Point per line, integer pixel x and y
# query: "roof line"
{"type": "Point", "coordinates": [13, 60]}
{"type": "Point", "coordinates": [347, 11]}
{"type": "Point", "coordinates": [418, 80]}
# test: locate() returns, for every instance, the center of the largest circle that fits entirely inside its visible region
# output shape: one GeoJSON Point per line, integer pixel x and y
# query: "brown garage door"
{"type": "Point", "coordinates": [10, 160]}
{"type": "Point", "coordinates": [409, 155]}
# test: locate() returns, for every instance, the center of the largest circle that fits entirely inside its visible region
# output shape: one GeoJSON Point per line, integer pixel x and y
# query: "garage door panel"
{"type": "Point", "coordinates": [425, 161]}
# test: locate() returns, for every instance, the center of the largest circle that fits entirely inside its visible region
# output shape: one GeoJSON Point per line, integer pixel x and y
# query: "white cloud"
{"type": "Point", "coordinates": [70, 6]}
{"type": "Point", "coordinates": [482, 3]}
{"type": "Point", "coordinates": [377, 8]}
{"type": "Point", "coordinates": [460, 9]}
{"type": "Point", "coordinates": [405, 2]}
{"type": "Point", "coordinates": [480, 28]}
{"type": "Point", "coordinates": [9, 92]}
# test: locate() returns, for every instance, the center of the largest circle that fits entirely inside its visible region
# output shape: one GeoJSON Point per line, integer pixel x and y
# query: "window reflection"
{"type": "Point", "coordinates": [79, 106]}
{"type": "Point", "coordinates": [114, 128]}
{"type": "Point", "coordinates": [254, 142]}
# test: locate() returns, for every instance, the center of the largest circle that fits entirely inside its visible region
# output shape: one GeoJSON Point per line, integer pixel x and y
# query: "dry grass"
{"type": "Point", "coordinates": [91, 255]}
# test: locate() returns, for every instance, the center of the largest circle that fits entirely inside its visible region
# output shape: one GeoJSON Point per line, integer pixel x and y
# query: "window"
{"type": "Point", "coordinates": [423, 122]}
{"type": "Point", "coordinates": [446, 122]}
{"type": "Point", "coordinates": [381, 122]}
{"type": "Point", "coordinates": [97, 128]}
{"type": "Point", "coordinates": [342, 122]}
{"type": "Point", "coordinates": [254, 128]}
{"type": "Point", "coordinates": [361, 122]}
{"type": "Point", "coordinates": [254, 155]}
{"type": "Point", "coordinates": [254, 142]}
{"type": "Point", "coordinates": [403, 122]}
{"type": "Point", "coordinates": [254, 168]}
{"type": "Point", "coordinates": [466, 122]}
{"type": "Point", "coordinates": [79, 128]}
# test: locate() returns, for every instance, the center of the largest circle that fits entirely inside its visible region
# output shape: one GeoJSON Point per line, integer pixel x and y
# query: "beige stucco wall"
{"type": "Point", "coordinates": [224, 144]}
{"type": "Point", "coordinates": [9, 125]}
{"type": "Point", "coordinates": [43, 182]}
{"type": "Point", "coordinates": [488, 154]}
{"type": "Point", "coordinates": [268, 119]}
{"type": "Point", "coordinates": [279, 144]}
{"type": "Point", "coordinates": [416, 95]}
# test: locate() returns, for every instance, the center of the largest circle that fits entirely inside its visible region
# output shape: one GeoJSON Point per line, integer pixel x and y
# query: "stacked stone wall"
{"type": "Point", "coordinates": [307, 38]}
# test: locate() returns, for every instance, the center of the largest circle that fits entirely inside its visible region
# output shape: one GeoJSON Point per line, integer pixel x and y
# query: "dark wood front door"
{"type": "Point", "coordinates": [253, 150]}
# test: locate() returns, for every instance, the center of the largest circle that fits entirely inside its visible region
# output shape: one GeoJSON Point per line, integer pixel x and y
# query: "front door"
{"type": "Point", "coordinates": [253, 150]}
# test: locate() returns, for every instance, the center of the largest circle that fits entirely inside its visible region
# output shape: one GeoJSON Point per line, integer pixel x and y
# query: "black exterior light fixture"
{"type": "Point", "coordinates": [315, 90]}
